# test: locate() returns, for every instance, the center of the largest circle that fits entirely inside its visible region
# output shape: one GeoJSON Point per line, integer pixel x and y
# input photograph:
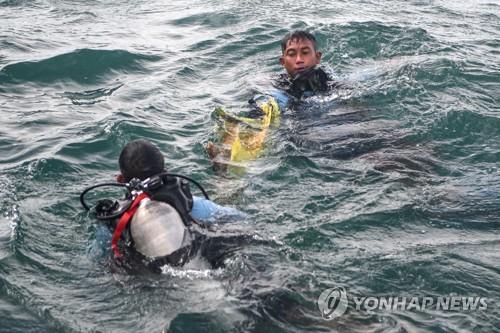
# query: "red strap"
{"type": "Point", "coordinates": [124, 220]}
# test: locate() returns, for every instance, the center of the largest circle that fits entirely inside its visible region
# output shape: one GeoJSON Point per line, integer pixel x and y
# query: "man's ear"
{"type": "Point", "coordinates": [120, 178]}
{"type": "Point", "coordinates": [282, 61]}
{"type": "Point", "coordinates": [318, 57]}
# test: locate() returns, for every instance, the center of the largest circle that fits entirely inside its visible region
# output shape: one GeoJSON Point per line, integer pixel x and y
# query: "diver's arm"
{"type": "Point", "coordinates": [281, 97]}
{"type": "Point", "coordinates": [208, 212]}
{"type": "Point", "coordinates": [100, 245]}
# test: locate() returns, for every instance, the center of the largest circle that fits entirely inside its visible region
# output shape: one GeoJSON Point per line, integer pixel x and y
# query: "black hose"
{"type": "Point", "coordinates": [187, 178]}
{"type": "Point", "coordinates": [82, 196]}
{"type": "Point", "coordinates": [127, 185]}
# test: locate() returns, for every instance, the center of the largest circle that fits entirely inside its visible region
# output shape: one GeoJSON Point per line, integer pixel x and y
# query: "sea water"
{"type": "Point", "coordinates": [388, 188]}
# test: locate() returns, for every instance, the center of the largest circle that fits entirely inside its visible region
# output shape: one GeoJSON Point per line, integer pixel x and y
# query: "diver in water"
{"type": "Point", "coordinates": [160, 221]}
{"type": "Point", "coordinates": [300, 58]}
{"type": "Point", "coordinates": [243, 136]}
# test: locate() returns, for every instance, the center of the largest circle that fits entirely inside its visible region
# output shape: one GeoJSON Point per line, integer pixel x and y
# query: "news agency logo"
{"type": "Point", "coordinates": [333, 303]}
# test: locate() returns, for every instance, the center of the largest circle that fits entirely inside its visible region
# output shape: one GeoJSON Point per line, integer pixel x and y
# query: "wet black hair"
{"type": "Point", "coordinates": [297, 35]}
{"type": "Point", "coordinates": [140, 159]}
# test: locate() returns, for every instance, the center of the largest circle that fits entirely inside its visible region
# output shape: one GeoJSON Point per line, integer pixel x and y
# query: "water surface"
{"type": "Point", "coordinates": [391, 188]}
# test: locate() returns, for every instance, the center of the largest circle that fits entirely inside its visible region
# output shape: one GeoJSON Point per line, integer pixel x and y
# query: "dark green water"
{"type": "Point", "coordinates": [391, 189]}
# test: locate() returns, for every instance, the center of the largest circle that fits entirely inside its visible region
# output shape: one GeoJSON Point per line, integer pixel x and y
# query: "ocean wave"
{"type": "Point", "coordinates": [84, 66]}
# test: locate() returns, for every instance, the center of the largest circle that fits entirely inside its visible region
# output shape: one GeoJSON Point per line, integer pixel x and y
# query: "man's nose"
{"type": "Point", "coordinates": [299, 58]}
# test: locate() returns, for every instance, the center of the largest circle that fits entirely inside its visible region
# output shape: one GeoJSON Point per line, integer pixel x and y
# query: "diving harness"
{"type": "Point", "coordinates": [167, 188]}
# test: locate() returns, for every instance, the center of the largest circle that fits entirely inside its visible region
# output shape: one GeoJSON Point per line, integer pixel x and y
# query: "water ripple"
{"type": "Point", "coordinates": [85, 66]}
{"type": "Point", "coordinates": [389, 186]}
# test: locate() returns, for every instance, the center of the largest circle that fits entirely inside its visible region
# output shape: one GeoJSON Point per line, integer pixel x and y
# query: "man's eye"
{"type": "Point", "coordinates": [291, 54]}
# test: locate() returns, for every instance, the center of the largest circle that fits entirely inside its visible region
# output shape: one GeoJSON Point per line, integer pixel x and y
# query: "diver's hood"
{"type": "Point", "coordinates": [157, 229]}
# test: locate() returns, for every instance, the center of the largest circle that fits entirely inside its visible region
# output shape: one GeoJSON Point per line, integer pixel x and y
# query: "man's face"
{"type": "Point", "coordinates": [299, 55]}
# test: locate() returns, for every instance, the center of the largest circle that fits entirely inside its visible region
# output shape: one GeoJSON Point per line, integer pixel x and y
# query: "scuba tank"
{"type": "Point", "coordinates": [157, 229]}
{"type": "Point", "coordinates": [156, 213]}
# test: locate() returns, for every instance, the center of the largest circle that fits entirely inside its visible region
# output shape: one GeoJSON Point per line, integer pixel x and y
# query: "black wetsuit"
{"type": "Point", "coordinates": [291, 90]}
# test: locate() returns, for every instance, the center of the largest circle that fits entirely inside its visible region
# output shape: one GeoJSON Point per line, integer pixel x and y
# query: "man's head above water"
{"type": "Point", "coordinates": [299, 52]}
{"type": "Point", "coordinates": [140, 159]}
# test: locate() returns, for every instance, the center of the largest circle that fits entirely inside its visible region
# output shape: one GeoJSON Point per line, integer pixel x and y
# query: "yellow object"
{"type": "Point", "coordinates": [246, 136]}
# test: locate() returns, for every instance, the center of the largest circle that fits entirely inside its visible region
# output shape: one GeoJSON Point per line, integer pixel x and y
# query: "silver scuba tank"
{"type": "Point", "coordinates": [157, 229]}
